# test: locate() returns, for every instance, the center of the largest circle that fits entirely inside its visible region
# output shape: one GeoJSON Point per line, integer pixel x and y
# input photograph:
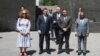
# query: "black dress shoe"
{"type": "Point", "coordinates": [67, 51]}
{"type": "Point", "coordinates": [59, 51]}
{"type": "Point", "coordinates": [48, 51]}
{"type": "Point", "coordinates": [40, 52]}
{"type": "Point", "coordinates": [79, 53]}
{"type": "Point", "coordinates": [57, 42]}
{"type": "Point", "coordinates": [84, 53]}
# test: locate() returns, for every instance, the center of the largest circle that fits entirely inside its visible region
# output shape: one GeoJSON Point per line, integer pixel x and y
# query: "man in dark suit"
{"type": "Point", "coordinates": [82, 32]}
{"type": "Point", "coordinates": [65, 29]}
{"type": "Point", "coordinates": [56, 16]}
{"type": "Point", "coordinates": [44, 30]}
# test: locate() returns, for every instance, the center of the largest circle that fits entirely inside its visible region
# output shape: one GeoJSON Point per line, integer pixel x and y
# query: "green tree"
{"type": "Point", "coordinates": [49, 2]}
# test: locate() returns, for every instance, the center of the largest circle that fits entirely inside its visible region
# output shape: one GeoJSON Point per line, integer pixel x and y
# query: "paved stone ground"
{"type": "Point", "coordinates": [8, 45]}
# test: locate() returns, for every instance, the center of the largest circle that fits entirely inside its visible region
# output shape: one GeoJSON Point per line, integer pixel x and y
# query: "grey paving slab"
{"type": "Point", "coordinates": [8, 45]}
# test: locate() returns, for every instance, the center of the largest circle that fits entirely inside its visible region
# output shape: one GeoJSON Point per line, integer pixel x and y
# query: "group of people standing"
{"type": "Point", "coordinates": [58, 22]}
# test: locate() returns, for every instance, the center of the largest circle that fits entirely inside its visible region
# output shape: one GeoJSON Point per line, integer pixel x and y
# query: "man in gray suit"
{"type": "Point", "coordinates": [82, 29]}
{"type": "Point", "coordinates": [64, 23]}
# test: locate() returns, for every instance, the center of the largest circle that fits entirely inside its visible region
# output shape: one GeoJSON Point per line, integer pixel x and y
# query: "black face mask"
{"type": "Point", "coordinates": [58, 12]}
{"type": "Point", "coordinates": [64, 15]}
{"type": "Point", "coordinates": [81, 17]}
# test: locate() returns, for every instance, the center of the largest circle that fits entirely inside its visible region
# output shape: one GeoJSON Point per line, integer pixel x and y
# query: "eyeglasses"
{"type": "Point", "coordinates": [24, 13]}
{"type": "Point", "coordinates": [64, 12]}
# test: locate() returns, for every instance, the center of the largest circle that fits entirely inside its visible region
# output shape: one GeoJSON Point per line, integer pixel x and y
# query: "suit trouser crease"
{"type": "Point", "coordinates": [56, 33]}
{"type": "Point", "coordinates": [82, 40]}
{"type": "Point", "coordinates": [41, 41]}
{"type": "Point", "coordinates": [66, 35]}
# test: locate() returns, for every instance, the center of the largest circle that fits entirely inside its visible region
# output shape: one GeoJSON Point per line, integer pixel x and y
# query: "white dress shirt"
{"type": "Point", "coordinates": [45, 18]}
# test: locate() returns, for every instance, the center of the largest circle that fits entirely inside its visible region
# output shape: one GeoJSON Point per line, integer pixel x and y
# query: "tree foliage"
{"type": "Point", "coordinates": [49, 2]}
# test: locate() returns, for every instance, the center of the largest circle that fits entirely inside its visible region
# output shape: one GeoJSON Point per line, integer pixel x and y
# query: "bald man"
{"type": "Point", "coordinates": [56, 16]}
{"type": "Point", "coordinates": [82, 32]}
{"type": "Point", "coordinates": [50, 12]}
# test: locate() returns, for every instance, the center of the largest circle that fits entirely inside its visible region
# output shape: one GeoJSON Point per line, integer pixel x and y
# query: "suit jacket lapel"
{"type": "Point", "coordinates": [43, 18]}
{"type": "Point", "coordinates": [66, 20]}
{"type": "Point", "coordinates": [57, 16]}
{"type": "Point", "coordinates": [46, 19]}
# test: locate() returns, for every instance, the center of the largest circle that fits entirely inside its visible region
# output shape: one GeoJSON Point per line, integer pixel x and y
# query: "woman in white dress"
{"type": "Point", "coordinates": [23, 28]}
